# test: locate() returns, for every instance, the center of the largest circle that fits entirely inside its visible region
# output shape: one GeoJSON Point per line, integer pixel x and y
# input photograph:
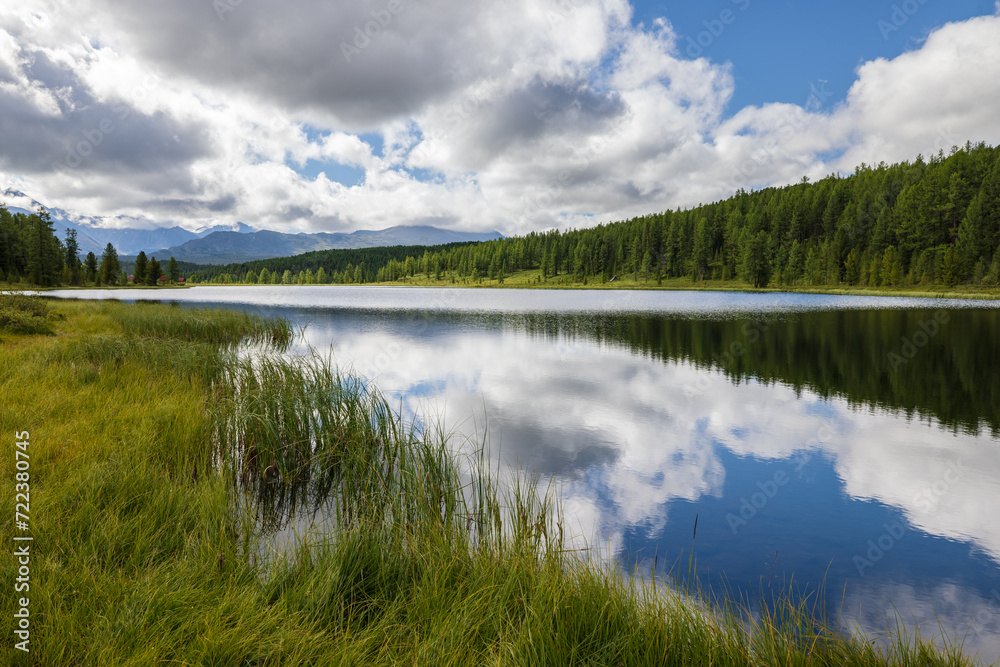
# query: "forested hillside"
{"type": "Point", "coordinates": [31, 253]}
{"type": "Point", "coordinates": [933, 222]}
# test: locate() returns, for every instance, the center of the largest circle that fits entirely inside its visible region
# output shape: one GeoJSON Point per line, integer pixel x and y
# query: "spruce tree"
{"type": "Point", "coordinates": [90, 268]}
{"type": "Point", "coordinates": [153, 272]}
{"type": "Point", "coordinates": [139, 274]}
{"type": "Point", "coordinates": [110, 266]}
{"type": "Point", "coordinates": [979, 232]}
{"type": "Point", "coordinates": [44, 266]}
{"type": "Point", "coordinates": [755, 267]}
{"type": "Point", "coordinates": [73, 263]}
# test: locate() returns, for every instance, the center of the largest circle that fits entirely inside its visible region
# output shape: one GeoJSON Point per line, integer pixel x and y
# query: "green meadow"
{"type": "Point", "coordinates": [164, 458]}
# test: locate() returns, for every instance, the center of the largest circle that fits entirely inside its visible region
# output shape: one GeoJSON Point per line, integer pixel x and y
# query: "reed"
{"type": "Point", "coordinates": [223, 327]}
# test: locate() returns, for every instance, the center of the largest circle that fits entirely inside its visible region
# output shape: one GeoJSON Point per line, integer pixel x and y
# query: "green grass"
{"type": "Point", "coordinates": [162, 463]}
{"type": "Point", "coordinates": [532, 279]}
{"type": "Point", "coordinates": [224, 327]}
{"type": "Point", "coordinates": [24, 314]}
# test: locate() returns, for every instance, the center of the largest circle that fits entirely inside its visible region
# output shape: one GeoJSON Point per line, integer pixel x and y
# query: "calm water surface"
{"type": "Point", "coordinates": [843, 442]}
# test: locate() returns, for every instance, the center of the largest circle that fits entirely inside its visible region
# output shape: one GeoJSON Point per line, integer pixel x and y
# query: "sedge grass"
{"type": "Point", "coordinates": [140, 438]}
{"type": "Point", "coordinates": [199, 324]}
{"type": "Point", "coordinates": [22, 313]}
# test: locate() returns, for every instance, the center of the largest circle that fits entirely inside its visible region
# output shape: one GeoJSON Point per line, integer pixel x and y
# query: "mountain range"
{"type": "Point", "coordinates": [224, 244]}
{"type": "Point", "coordinates": [227, 247]}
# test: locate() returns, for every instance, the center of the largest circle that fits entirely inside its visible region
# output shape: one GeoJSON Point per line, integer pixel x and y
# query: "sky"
{"type": "Point", "coordinates": [506, 115]}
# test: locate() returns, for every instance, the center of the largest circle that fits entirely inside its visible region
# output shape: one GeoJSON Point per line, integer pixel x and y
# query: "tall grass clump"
{"type": "Point", "coordinates": [224, 327]}
{"type": "Point", "coordinates": [305, 436]}
{"type": "Point", "coordinates": [24, 314]}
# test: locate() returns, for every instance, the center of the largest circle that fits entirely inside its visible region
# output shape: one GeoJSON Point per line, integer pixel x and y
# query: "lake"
{"type": "Point", "coordinates": [837, 443]}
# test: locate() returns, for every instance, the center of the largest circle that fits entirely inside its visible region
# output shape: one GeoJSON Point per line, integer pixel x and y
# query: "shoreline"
{"type": "Point", "coordinates": [992, 295]}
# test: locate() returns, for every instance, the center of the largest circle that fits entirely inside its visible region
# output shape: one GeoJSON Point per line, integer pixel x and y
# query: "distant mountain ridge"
{"type": "Point", "coordinates": [92, 236]}
{"type": "Point", "coordinates": [225, 244]}
{"type": "Point", "coordinates": [230, 247]}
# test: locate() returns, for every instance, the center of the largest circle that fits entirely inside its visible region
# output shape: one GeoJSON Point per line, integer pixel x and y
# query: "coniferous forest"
{"type": "Point", "coordinates": [923, 223]}
{"type": "Point", "coordinates": [31, 254]}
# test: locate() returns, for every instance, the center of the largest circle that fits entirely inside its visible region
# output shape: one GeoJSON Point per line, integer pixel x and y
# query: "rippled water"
{"type": "Point", "coordinates": [848, 443]}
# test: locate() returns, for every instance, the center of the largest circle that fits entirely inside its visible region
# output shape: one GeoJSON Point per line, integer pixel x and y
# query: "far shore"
{"type": "Point", "coordinates": [928, 292]}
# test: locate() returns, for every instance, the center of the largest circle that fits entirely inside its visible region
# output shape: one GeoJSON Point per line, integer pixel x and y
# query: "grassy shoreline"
{"type": "Point", "coordinates": [533, 280]}
{"type": "Point", "coordinates": [150, 441]}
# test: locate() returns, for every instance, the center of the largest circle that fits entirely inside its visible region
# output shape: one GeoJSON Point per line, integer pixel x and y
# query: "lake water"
{"type": "Point", "coordinates": [842, 442]}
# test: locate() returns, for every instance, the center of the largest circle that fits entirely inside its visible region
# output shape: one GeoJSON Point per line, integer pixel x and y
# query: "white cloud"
{"type": "Point", "coordinates": [526, 114]}
{"type": "Point", "coordinates": [927, 100]}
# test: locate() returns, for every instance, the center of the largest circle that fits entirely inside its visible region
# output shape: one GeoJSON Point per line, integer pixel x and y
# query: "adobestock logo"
{"type": "Point", "coordinates": [878, 548]}
{"type": "Point", "coordinates": [749, 507]}
{"type": "Point", "coordinates": [713, 30]}
{"type": "Point", "coordinates": [900, 16]}
{"type": "Point", "coordinates": [364, 33]}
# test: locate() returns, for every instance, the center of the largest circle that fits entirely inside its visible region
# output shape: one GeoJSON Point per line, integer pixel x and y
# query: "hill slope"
{"type": "Point", "coordinates": [233, 247]}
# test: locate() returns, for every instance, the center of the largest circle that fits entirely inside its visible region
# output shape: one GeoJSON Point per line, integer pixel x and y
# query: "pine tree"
{"type": "Point", "coordinates": [90, 268]}
{"type": "Point", "coordinates": [852, 267]}
{"type": "Point", "coordinates": [702, 252]}
{"type": "Point", "coordinates": [951, 267]}
{"type": "Point", "coordinates": [44, 266]}
{"type": "Point", "coordinates": [992, 276]}
{"type": "Point", "coordinates": [755, 267]}
{"type": "Point", "coordinates": [174, 270]}
{"type": "Point", "coordinates": [110, 266]}
{"type": "Point", "coordinates": [153, 272]}
{"type": "Point", "coordinates": [73, 264]}
{"type": "Point", "coordinates": [139, 273]}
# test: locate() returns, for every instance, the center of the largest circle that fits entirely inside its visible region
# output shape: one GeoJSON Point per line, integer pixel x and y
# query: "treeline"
{"type": "Point", "coordinates": [343, 267]}
{"type": "Point", "coordinates": [31, 254]}
{"type": "Point", "coordinates": [933, 222]}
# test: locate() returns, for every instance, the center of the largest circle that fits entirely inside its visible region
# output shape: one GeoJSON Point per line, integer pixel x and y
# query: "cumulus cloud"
{"type": "Point", "coordinates": [513, 115]}
{"type": "Point", "coordinates": [929, 99]}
